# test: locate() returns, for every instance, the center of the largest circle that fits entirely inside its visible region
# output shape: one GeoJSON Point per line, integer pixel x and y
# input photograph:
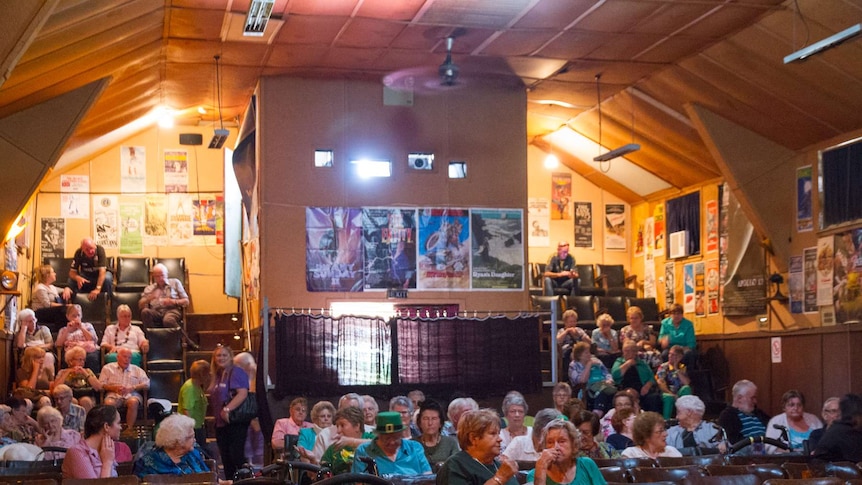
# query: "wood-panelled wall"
{"type": "Point", "coordinates": [821, 363]}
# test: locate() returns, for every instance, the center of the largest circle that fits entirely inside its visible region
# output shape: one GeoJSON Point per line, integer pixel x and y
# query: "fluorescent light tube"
{"type": "Point", "coordinates": [619, 152]}
{"type": "Point", "coordinates": [824, 44]}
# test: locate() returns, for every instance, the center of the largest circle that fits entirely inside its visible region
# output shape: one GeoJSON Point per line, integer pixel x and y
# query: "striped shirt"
{"type": "Point", "coordinates": [751, 425]}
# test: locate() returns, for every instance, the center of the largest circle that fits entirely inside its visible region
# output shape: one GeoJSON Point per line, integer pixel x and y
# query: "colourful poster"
{"type": "Point", "coordinates": [204, 211]}
{"type": "Point", "coordinates": [155, 220]}
{"type": "Point", "coordinates": [131, 234]}
{"type": "Point", "coordinates": [615, 227]}
{"type": "Point", "coordinates": [804, 220]}
{"type": "Point", "coordinates": [699, 289]}
{"type": "Point", "coordinates": [796, 284]}
{"type": "Point", "coordinates": [444, 249]}
{"type": "Point", "coordinates": [106, 221]}
{"type": "Point", "coordinates": [333, 249]}
{"type": "Point", "coordinates": [669, 282]}
{"type": "Point", "coordinates": [561, 196]}
{"type": "Point", "coordinates": [584, 225]}
{"type": "Point", "coordinates": [389, 245]}
{"type": "Point", "coordinates": [639, 240]}
{"type": "Point", "coordinates": [712, 284]}
{"type": "Point", "coordinates": [539, 215]}
{"type": "Point", "coordinates": [688, 285]}
{"type": "Point", "coordinates": [133, 169]}
{"type": "Point", "coordinates": [497, 249]}
{"type": "Point", "coordinates": [825, 262]}
{"type": "Point", "coordinates": [809, 276]}
{"type": "Point", "coordinates": [847, 270]}
{"type": "Point", "coordinates": [53, 242]}
{"type": "Point", "coordinates": [658, 217]}
{"type": "Point", "coordinates": [711, 226]}
{"type": "Point", "coordinates": [176, 171]}
{"type": "Point", "coordinates": [180, 223]}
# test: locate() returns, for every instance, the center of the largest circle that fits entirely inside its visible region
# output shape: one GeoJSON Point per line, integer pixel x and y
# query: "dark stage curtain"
{"type": "Point", "coordinates": [683, 214]}
{"type": "Point", "coordinates": [842, 177]}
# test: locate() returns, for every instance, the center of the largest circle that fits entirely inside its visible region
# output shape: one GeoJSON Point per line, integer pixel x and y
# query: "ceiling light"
{"type": "Point", "coordinates": [373, 168]}
{"type": "Point", "coordinates": [824, 44]}
{"type": "Point", "coordinates": [166, 117]}
{"type": "Point", "coordinates": [618, 152]}
{"type": "Point", "coordinates": [258, 16]}
{"type": "Point", "coordinates": [201, 110]}
{"type": "Point", "coordinates": [554, 102]}
{"type": "Point", "coordinates": [551, 161]}
{"type": "Point", "coordinates": [220, 135]}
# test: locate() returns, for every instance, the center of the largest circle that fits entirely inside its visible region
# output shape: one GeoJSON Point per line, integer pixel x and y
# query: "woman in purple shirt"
{"type": "Point", "coordinates": [230, 437]}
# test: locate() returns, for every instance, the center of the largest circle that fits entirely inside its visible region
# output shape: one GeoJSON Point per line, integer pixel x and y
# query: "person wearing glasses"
{"type": "Point", "coordinates": [830, 413]}
{"type": "Point", "coordinates": [678, 330]}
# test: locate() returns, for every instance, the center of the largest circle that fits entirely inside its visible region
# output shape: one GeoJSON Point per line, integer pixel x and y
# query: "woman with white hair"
{"type": "Point", "coordinates": [53, 434]}
{"type": "Point", "coordinates": [175, 452]}
{"type": "Point", "coordinates": [457, 407]}
{"type": "Point", "coordinates": [30, 334]}
{"type": "Point", "coordinates": [515, 411]}
{"type": "Point", "coordinates": [559, 463]}
{"type": "Point", "coordinates": [692, 436]}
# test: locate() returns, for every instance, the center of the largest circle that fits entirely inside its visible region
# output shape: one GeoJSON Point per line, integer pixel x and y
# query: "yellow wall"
{"type": "Point", "coordinates": [204, 263]}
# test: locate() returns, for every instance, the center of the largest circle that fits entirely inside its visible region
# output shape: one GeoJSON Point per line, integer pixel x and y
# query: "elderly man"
{"type": "Point", "coordinates": [123, 382]}
{"type": "Point", "coordinates": [742, 419]}
{"type": "Point", "coordinates": [73, 415]}
{"type": "Point", "coordinates": [561, 271]}
{"type": "Point", "coordinates": [163, 301]}
{"type": "Point", "coordinates": [843, 440]}
{"type": "Point", "coordinates": [124, 334]}
{"type": "Point", "coordinates": [692, 435]}
{"type": "Point", "coordinates": [88, 273]}
{"type": "Point", "coordinates": [457, 407]}
{"type": "Point", "coordinates": [830, 413]}
{"type": "Point", "coordinates": [391, 453]}
{"type": "Point", "coordinates": [629, 371]}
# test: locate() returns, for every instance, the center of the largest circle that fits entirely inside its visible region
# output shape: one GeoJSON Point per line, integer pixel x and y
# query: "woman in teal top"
{"type": "Point", "coordinates": [678, 330]}
{"type": "Point", "coordinates": [558, 464]}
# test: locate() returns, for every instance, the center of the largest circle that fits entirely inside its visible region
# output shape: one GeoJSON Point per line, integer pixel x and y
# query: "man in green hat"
{"type": "Point", "coordinates": [392, 454]}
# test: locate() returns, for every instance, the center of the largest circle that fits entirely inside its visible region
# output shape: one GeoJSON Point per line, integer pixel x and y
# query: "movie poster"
{"type": "Point", "coordinates": [444, 249]}
{"type": "Point", "coordinates": [74, 197]}
{"type": "Point", "coordinates": [669, 282]}
{"type": "Point", "coordinates": [711, 226]}
{"type": "Point", "coordinates": [53, 242]}
{"type": "Point", "coordinates": [688, 288]}
{"type": "Point", "coordinates": [584, 225]}
{"type": "Point", "coordinates": [389, 245]}
{"type": "Point", "coordinates": [176, 171]}
{"type": "Point", "coordinates": [155, 220]}
{"type": "Point", "coordinates": [106, 221]}
{"type": "Point", "coordinates": [796, 284]}
{"type": "Point", "coordinates": [615, 227]}
{"type": "Point", "coordinates": [333, 245]}
{"type": "Point", "coordinates": [639, 240]}
{"type": "Point", "coordinates": [847, 271]}
{"type": "Point", "coordinates": [133, 169]}
{"type": "Point", "coordinates": [498, 249]}
{"type": "Point", "coordinates": [804, 219]}
{"type": "Point", "coordinates": [658, 218]}
{"type": "Point", "coordinates": [204, 210]}
{"type": "Point", "coordinates": [539, 215]}
{"type": "Point", "coordinates": [825, 262]}
{"type": "Point", "coordinates": [741, 261]}
{"type": "Point", "coordinates": [131, 232]}
{"type": "Point", "coordinates": [649, 275]}
{"type": "Point", "coordinates": [699, 289]}
{"type": "Point", "coordinates": [809, 275]}
{"type": "Point", "coordinates": [712, 285]}
{"type": "Point", "coordinates": [180, 223]}
{"type": "Point", "coordinates": [561, 196]}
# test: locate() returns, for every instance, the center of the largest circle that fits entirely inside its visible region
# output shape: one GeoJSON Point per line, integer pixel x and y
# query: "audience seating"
{"type": "Point", "coordinates": [124, 298]}
{"type": "Point", "coordinates": [676, 474]}
{"type": "Point", "coordinates": [843, 469]}
{"type": "Point", "coordinates": [52, 479]}
{"type": "Point", "coordinates": [698, 460]}
{"type": "Point", "coordinates": [61, 267]}
{"type": "Point", "coordinates": [614, 280]}
{"type": "Point", "coordinates": [536, 280]}
{"type": "Point", "coordinates": [543, 304]}
{"type": "Point", "coordinates": [192, 478]}
{"type": "Point", "coordinates": [587, 281]}
{"type": "Point", "coordinates": [615, 306]}
{"type": "Point", "coordinates": [614, 474]}
{"type": "Point", "coordinates": [625, 463]}
{"type": "Point", "coordinates": [763, 471]}
{"type": "Point", "coordinates": [745, 479]}
{"type": "Point", "coordinates": [118, 480]}
{"type": "Point", "coordinates": [649, 307]}
{"type": "Point", "coordinates": [133, 275]}
{"type": "Point", "coordinates": [166, 351]}
{"type": "Point", "coordinates": [778, 459]}
{"type": "Point", "coordinates": [585, 307]}
{"type": "Point", "coordinates": [165, 384]}
{"type": "Point", "coordinates": [176, 269]}
{"type": "Point", "coordinates": [94, 312]}
{"type": "Point", "coordinates": [805, 481]}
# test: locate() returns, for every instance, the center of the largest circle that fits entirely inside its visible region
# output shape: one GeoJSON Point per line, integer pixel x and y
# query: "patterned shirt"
{"type": "Point", "coordinates": [670, 376]}
{"type": "Point", "coordinates": [173, 289]}
{"type": "Point", "coordinates": [74, 419]}
{"type": "Point", "coordinates": [132, 376]}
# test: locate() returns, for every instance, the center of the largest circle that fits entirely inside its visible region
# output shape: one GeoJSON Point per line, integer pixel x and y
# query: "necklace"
{"type": "Point", "coordinates": [431, 445]}
{"type": "Point", "coordinates": [117, 336]}
{"type": "Point", "coordinates": [487, 467]}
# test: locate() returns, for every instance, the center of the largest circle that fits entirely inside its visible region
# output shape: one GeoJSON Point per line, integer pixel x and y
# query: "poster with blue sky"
{"type": "Point", "coordinates": [444, 249]}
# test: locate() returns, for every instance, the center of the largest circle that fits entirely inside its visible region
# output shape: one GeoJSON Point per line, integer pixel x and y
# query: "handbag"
{"type": "Point", "coordinates": [245, 412]}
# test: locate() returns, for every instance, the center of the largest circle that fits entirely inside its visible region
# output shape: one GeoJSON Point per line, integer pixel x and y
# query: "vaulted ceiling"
{"type": "Point", "coordinates": [655, 57]}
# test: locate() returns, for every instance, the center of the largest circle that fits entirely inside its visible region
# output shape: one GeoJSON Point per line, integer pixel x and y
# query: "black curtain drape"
{"type": "Point", "coordinates": [683, 214]}
{"type": "Point", "coordinates": [841, 170]}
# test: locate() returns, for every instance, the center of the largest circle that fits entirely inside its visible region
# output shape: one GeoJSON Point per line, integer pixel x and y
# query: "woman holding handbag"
{"type": "Point", "coordinates": [228, 392]}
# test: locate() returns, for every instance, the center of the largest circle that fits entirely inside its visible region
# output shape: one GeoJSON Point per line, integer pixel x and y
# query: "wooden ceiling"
{"type": "Point", "coordinates": [654, 56]}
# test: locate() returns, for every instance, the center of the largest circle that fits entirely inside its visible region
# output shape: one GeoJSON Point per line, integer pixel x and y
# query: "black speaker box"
{"type": "Point", "coordinates": [191, 139]}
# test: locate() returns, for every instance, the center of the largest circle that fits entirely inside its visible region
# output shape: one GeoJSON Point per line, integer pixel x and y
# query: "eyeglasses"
{"type": "Point", "coordinates": [831, 411]}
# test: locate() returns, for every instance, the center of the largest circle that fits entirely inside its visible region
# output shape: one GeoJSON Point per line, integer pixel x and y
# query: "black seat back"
{"type": "Point", "coordinates": [133, 274]}
{"type": "Point", "coordinates": [648, 306]}
{"type": "Point", "coordinates": [176, 268]}
{"type": "Point", "coordinates": [543, 304]}
{"type": "Point", "coordinates": [614, 306]}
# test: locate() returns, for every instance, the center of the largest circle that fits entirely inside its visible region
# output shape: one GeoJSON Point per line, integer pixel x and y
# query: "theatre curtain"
{"type": "Point", "coordinates": [321, 355]}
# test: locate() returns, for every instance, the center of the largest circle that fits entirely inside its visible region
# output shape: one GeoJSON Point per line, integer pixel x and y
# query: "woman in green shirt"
{"type": "Point", "coordinates": [350, 423]}
{"type": "Point", "coordinates": [193, 398]}
{"type": "Point", "coordinates": [558, 464]}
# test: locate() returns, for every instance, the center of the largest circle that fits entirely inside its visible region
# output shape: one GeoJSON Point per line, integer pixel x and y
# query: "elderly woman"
{"type": "Point", "coordinates": [254, 438]}
{"type": "Point", "coordinates": [650, 437]}
{"type": "Point", "coordinates": [292, 424]}
{"type": "Point", "coordinates": [350, 423]}
{"type": "Point", "coordinates": [124, 334]}
{"type": "Point", "coordinates": [30, 334]}
{"type": "Point", "coordinates": [438, 448]}
{"type": "Point", "coordinates": [692, 435]}
{"type": "Point", "coordinates": [529, 447]}
{"type": "Point", "coordinates": [322, 415]}
{"type": "Point", "coordinates": [623, 424]}
{"type": "Point", "coordinates": [559, 463]}
{"type": "Point", "coordinates": [175, 452]}
{"type": "Point", "coordinates": [588, 425]}
{"type": "Point", "coordinates": [80, 334]}
{"type": "Point", "coordinates": [404, 406]}
{"type": "Point", "coordinates": [569, 335]}
{"type": "Point", "coordinates": [81, 380]}
{"type": "Point", "coordinates": [673, 380]}
{"type": "Point", "coordinates": [799, 424]}
{"type": "Point", "coordinates": [643, 335]}
{"type": "Point", "coordinates": [7, 430]}
{"type": "Point", "coordinates": [457, 407]}
{"type": "Point", "coordinates": [53, 434]}
{"type": "Point", "coordinates": [34, 376]}
{"type": "Point", "coordinates": [562, 393]}
{"type": "Point", "coordinates": [370, 409]}
{"type": "Point", "coordinates": [192, 400]}
{"type": "Point", "coordinates": [607, 340]}
{"type": "Point", "coordinates": [227, 391]}
{"type": "Point", "coordinates": [627, 398]}
{"type": "Point", "coordinates": [477, 463]}
{"type": "Point", "coordinates": [21, 426]}
{"type": "Point", "coordinates": [514, 410]}
{"type": "Point", "coordinates": [588, 371]}
{"type": "Point", "coordinates": [392, 454]}
{"type": "Point", "coordinates": [94, 456]}
{"type": "Point", "coordinates": [678, 330]}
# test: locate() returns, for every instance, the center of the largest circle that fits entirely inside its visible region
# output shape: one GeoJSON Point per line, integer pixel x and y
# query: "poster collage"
{"type": "Point", "coordinates": [352, 249]}
{"type": "Point", "coordinates": [133, 219]}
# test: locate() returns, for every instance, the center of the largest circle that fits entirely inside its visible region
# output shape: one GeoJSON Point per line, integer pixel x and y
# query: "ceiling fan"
{"type": "Point", "coordinates": [428, 79]}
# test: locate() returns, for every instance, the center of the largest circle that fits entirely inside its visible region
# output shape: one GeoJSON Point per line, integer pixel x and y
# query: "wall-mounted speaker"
{"type": "Point", "coordinates": [191, 139]}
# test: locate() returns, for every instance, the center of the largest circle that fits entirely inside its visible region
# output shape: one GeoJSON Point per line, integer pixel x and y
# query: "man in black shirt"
{"type": "Point", "coordinates": [561, 271]}
{"type": "Point", "coordinates": [89, 273]}
{"type": "Point", "coordinates": [843, 440]}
